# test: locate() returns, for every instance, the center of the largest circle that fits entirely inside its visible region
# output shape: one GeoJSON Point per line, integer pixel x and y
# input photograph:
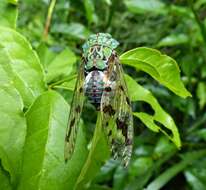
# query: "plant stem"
{"type": "Point", "coordinates": [62, 81]}
{"type": "Point", "coordinates": [48, 20]}
{"type": "Point", "coordinates": [199, 22]}
{"type": "Point", "coordinates": [62, 87]}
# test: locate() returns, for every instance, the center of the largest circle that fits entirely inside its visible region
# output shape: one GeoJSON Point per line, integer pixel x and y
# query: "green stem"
{"type": "Point", "coordinates": [200, 24]}
{"type": "Point", "coordinates": [67, 79]}
{"type": "Point", "coordinates": [62, 87]}
{"type": "Point", "coordinates": [48, 20]}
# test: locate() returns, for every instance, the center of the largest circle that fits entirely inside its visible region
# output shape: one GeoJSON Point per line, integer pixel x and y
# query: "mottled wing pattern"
{"type": "Point", "coordinates": [75, 113]}
{"type": "Point", "coordinates": [116, 106]}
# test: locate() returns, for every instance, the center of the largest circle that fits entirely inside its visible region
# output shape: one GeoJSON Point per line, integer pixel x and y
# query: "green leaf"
{"type": "Point", "coordinates": [200, 133]}
{"type": "Point", "coordinates": [90, 11]}
{"type": "Point", "coordinates": [142, 164]}
{"type": "Point", "coordinates": [78, 159]}
{"type": "Point", "coordinates": [120, 179]}
{"type": "Point", "coordinates": [46, 55]}
{"type": "Point", "coordinates": [171, 172]}
{"type": "Point", "coordinates": [160, 116]}
{"type": "Point", "coordinates": [12, 130]}
{"type": "Point", "coordinates": [195, 182]}
{"type": "Point", "coordinates": [61, 66]}
{"type": "Point", "coordinates": [24, 61]}
{"type": "Point", "coordinates": [142, 7]}
{"type": "Point", "coordinates": [8, 13]}
{"type": "Point", "coordinates": [201, 94]}
{"type": "Point", "coordinates": [173, 40]}
{"type": "Point", "coordinates": [4, 179]}
{"type": "Point", "coordinates": [43, 164]}
{"type": "Point", "coordinates": [74, 30]}
{"type": "Point", "coordinates": [98, 154]}
{"type": "Point", "coordinates": [14, 2]}
{"type": "Point", "coordinates": [196, 175]}
{"type": "Point", "coordinates": [162, 68]}
{"type": "Point", "coordinates": [163, 147]}
{"type": "Point", "coordinates": [9, 77]}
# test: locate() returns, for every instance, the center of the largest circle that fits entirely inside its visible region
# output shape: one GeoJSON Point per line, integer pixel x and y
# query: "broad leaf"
{"type": "Point", "coordinates": [43, 161]}
{"type": "Point", "coordinates": [10, 77]}
{"type": "Point", "coordinates": [45, 54]}
{"type": "Point", "coordinates": [138, 93]}
{"type": "Point", "coordinates": [77, 161]}
{"type": "Point", "coordinates": [141, 7]}
{"type": "Point", "coordinates": [12, 130]}
{"type": "Point", "coordinates": [74, 30]}
{"type": "Point", "coordinates": [8, 13]}
{"type": "Point", "coordinates": [98, 154]}
{"type": "Point", "coordinates": [23, 59]}
{"type": "Point", "coordinates": [173, 40]}
{"type": "Point", "coordinates": [161, 67]}
{"type": "Point", "coordinates": [61, 66]}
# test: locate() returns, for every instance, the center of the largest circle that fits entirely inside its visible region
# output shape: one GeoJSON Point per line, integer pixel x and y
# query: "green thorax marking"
{"type": "Point", "coordinates": [97, 50]}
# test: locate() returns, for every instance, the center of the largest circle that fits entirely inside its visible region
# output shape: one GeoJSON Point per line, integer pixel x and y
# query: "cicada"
{"type": "Point", "coordinates": [101, 80]}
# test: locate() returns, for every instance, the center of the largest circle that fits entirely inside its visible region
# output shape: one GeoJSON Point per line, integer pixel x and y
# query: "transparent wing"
{"type": "Point", "coordinates": [117, 114]}
{"type": "Point", "coordinates": [75, 113]}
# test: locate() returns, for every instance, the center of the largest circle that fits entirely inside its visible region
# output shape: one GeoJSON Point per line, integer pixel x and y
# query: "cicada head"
{"type": "Point", "coordinates": [97, 51]}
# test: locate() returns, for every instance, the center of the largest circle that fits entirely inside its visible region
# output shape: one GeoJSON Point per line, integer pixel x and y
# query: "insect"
{"type": "Point", "coordinates": [101, 80]}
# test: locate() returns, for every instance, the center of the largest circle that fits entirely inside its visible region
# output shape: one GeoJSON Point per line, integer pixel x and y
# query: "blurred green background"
{"type": "Point", "coordinates": [176, 28]}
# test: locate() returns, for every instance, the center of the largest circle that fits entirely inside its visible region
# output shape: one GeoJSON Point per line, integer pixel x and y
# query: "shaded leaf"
{"type": "Point", "coordinates": [98, 154]}
{"type": "Point", "coordinates": [90, 11]}
{"type": "Point", "coordinates": [163, 147]}
{"type": "Point", "coordinates": [161, 67]}
{"type": "Point", "coordinates": [171, 172]}
{"type": "Point", "coordinates": [120, 179]}
{"type": "Point", "coordinates": [4, 179]}
{"type": "Point", "coordinates": [201, 94]}
{"type": "Point", "coordinates": [78, 159]}
{"type": "Point", "coordinates": [8, 13]}
{"type": "Point", "coordinates": [196, 175]}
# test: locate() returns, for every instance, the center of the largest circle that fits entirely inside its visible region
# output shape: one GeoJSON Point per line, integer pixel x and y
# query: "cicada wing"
{"type": "Point", "coordinates": [124, 116]}
{"type": "Point", "coordinates": [74, 116]}
{"type": "Point", "coordinates": [116, 106]}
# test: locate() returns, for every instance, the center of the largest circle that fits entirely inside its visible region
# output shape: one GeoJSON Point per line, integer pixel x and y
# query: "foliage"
{"type": "Point", "coordinates": [39, 59]}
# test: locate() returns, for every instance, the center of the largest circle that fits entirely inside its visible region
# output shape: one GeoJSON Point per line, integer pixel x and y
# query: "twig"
{"type": "Point", "coordinates": [48, 20]}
